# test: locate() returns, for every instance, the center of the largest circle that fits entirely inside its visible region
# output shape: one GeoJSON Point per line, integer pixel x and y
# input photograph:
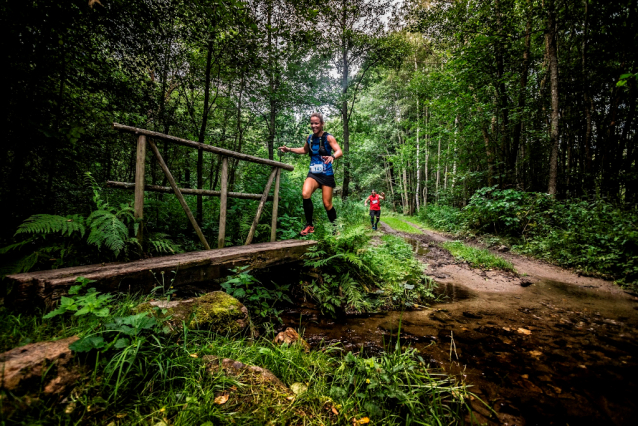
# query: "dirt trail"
{"type": "Point", "coordinates": [551, 347]}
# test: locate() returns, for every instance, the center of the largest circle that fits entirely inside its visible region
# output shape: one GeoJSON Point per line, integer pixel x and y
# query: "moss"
{"type": "Point", "coordinates": [216, 311]}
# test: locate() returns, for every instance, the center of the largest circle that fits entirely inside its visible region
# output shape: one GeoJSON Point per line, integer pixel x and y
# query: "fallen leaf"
{"type": "Point", "coordinates": [362, 421]}
{"type": "Point", "coordinates": [524, 331]}
{"type": "Point", "coordinates": [194, 356]}
{"type": "Point", "coordinates": [582, 366]}
{"type": "Point", "coordinates": [525, 376]}
{"type": "Point", "coordinates": [506, 329]}
{"type": "Point", "coordinates": [69, 408]}
{"type": "Point", "coordinates": [298, 388]}
{"type": "Point", "coordinates": [221, 399]}
{"type": "Point", "coordinates": [556, 389]}
{"type": "Point", "coordinates": [334, 411]}
{"type": "Point", "coordinates": [290, 398]}
{"type": "Point", "coordinates": [535, 353]}
{"type": "Point", "coordinates": [120, 415]}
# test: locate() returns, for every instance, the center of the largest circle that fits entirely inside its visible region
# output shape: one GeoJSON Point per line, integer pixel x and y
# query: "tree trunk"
{"type": "Point", "coordinates": [344, 103]}
{"type": "Point", "coordinates": [202, 131]}
{"type": "Point", "coordinates": [552, 53]}
{"type": "Point", "coordinates": [418, 147]}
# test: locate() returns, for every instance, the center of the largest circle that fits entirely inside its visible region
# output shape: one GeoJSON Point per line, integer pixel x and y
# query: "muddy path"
{"type": "Point", "coordinates": [545, 348]}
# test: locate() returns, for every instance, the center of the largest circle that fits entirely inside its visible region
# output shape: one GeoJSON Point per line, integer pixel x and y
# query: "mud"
{"type": "Point", "coordinates": [545, 348]}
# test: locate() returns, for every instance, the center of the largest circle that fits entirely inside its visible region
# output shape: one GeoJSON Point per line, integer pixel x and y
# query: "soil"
{"type": "Point", "coordinates": [541, 347]}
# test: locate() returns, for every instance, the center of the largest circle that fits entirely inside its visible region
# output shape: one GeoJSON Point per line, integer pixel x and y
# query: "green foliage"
{"type": "Point", "coordinates": [478, 258]}
{"type": "Point", "coordinates": [442, 217]}
{"type": "Point", "coordinates": [63, 240]}
{"type": "Point", "coordinates": [591, 236]}
{"type": "Point", "coordinates": [357, 276]}
{"type": "Point", "coordinates": [258, 298]}
{"type": "Point", "coordinates": [92, 302]}
{"type": "Point", "coordinates": [50, 224]}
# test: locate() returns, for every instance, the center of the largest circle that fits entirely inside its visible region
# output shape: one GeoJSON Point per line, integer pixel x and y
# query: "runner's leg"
{"type": "Point", "coordinates": [372, 218]}
{"type": "Point", "coordinates": [378, 217]}
{"type": "Point", "coordinates": [326, 193]}
{"type": "Point", "coordinates": [309, 186]}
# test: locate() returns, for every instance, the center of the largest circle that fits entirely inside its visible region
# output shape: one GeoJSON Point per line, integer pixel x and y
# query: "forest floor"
{"type": "Point", "coordinates": [540, 346]}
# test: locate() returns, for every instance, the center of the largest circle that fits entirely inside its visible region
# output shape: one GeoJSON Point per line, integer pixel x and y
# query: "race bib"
{"type": "Point", "coordinates": [316, 168]}
{"type": "Point", "coordinates": [375, 201]}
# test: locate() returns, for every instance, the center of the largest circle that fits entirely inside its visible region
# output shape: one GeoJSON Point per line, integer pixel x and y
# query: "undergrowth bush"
{"type": "Point", "coordinates": [591, 236]}
{"type": "Point", "coordinates": [357, 276]}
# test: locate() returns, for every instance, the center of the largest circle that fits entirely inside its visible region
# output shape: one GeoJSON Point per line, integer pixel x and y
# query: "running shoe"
{"type": "Point", "coordinates": [308, 229]}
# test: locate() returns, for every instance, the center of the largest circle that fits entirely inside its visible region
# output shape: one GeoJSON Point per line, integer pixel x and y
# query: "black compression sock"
{"type": "Point", "coordinates": [372, 220]}
{"type": "Point", "coordinates": [377, 224]}
{"type": "Point", "coordinates": [332, 214]}
{"type": "Point", "coordinates": [308, 210]}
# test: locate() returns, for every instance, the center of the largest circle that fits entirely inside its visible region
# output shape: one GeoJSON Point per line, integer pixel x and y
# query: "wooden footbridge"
{"type": "Point", "coordinates": [181, 269]}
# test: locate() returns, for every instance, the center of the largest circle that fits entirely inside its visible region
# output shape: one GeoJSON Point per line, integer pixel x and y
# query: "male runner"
{"type": "Point", "coordinates": [375, 207]}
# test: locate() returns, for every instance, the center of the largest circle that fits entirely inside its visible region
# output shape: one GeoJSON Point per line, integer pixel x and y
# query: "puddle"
{"type": "Point", "coordinates": [554, 354]}
{"type": "Point", "coordinates": [420, 248]}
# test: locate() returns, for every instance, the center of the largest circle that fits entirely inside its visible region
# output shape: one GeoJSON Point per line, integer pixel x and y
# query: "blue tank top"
{"type": "Point", "coordinates": [315, 158]}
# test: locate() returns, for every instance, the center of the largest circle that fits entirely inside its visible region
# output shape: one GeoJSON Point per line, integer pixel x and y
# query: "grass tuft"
{"type": "Point", "coordinates": [478, 258]}
{"type": "Point", "coordinates": [401, 226]}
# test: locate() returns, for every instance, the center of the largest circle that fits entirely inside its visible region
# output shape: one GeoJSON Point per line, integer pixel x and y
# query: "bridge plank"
{"type": "Point", "coordinates": [34, 288]}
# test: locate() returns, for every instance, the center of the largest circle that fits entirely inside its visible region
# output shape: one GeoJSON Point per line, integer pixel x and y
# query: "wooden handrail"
{"type": "Point", "coordinates": [204, 147]}
{"type": "Point", "coordinates": [185, 191]}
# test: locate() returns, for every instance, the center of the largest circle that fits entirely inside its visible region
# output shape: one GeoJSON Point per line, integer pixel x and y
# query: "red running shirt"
{"type": "Point", "coordinates": [375, 202]}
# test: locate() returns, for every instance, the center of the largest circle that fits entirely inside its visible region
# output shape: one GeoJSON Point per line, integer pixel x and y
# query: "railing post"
{"type": "Point", "coordinates": [260, 209]}
{"type": "Point", "coordinates": [275, 207]}
{"type": "Point", "coordinates": [223, 204]}
{"type": "Point", "coordinates": [139, 184]}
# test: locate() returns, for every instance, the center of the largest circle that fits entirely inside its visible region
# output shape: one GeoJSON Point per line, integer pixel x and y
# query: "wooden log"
{"type": "Point", "coordinates": [139, 184]}
{"type": "Point", "coordinates": [223, 204]}
{"type": "Point", "coordinates": [260, 208]}
{"type": "Point", "coordinates": [185, 191]}
{"type": "Point", "coordinates": [33, 289]}
{"type": "Point", "coordinates": [275, 208]}
{"type": "Point", "coordinates": [204, 147]}
{"type": "Point", "coordinates": [178, 194]}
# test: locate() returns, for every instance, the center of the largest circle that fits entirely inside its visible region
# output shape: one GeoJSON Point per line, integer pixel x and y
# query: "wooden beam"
{"type": "Point", "coordinates": [33, 289]}
{"type": "Point", "coordinates": [275, 208]}
{"type": "Point", "coordinates": [184, 191]}
{"type": "Point", "coordinates": [223, 204]}
{"type": "Point", "coordinates": [260, 208]}
{"type": "Point", "coordinates": [204, 147]}
{"type": "Point", "coordinates": [178, 194]}
{"type": "Point", "coordinates": [139, 184]}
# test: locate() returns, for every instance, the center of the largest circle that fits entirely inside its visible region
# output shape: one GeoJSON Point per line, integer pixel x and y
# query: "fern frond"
{"type": "Point", "coordinates": [161, 243]}
{"type": "Point", "coordinates": [107, 230]}
{"type": "Point", "coordinates": [24, 264]}
{"type": "Point", "coordinates": [50, 223]}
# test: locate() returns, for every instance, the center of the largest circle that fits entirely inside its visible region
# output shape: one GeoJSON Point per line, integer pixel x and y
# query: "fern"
{"type": "Point", "coordinates": [107, 230]}
{"type": "Point", "coordinates": [49, 224]}
{"type": "Point", "coordinates": [161, 243]}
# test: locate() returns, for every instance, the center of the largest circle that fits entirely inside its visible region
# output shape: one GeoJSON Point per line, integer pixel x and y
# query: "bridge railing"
{"type": "Point", "coordinates": [144, 138]}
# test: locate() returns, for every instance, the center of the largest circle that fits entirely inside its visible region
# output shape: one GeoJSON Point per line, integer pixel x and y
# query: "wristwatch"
{"type": "Point", "coordinates": [333, 157]}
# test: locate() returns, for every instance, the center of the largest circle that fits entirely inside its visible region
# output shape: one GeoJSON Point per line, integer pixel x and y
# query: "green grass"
{"type": "Point", "coordinates": [170, 381]}
{"type": "Point", "coordinates": [478, 258]}
{"type": "Point", "coordinates": [401, 226]}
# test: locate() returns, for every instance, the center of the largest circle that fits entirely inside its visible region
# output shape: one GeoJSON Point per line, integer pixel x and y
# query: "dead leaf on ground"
{"type": "Point", "coordinates": [361, 421]}
{"type": "Point", "coordinates": [334, 411]}
{"type": "Point", "coordinates": [221, 399]}
{"type": "Point", "coordinates": [194, 356]}
{"type": "Point", "coordinates": [298, 388]}
{"type": "Point", "coordinates": [535, 353]}
{"type": "Point", "coordinates": [525, 376]}
{"type": "Point", "coordinates": [506, 329]}
{"type": "Point", "coordinates": [524, 331]}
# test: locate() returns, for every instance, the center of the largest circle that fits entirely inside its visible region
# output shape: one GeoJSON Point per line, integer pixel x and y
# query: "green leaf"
{"type": "Point", "coordinates": [87, 344]}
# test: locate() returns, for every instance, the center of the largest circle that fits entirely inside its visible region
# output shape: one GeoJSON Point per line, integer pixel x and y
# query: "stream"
{"type": "Point", "coordinates": [535, 350]}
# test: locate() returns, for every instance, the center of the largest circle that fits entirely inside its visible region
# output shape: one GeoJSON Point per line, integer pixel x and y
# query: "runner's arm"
{"type": "Point", "coordinates": [335, 148]}
{"type": "Point", "coordinates": [382, 195]}
{"type": "Point", "coordinates": [303, 150]}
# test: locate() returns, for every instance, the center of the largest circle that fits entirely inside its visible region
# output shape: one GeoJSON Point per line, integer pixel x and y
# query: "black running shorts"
{"type": "Point", "coordinates": [323, 180]}
{"type": "Point", "coordinates": [376, 213]}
